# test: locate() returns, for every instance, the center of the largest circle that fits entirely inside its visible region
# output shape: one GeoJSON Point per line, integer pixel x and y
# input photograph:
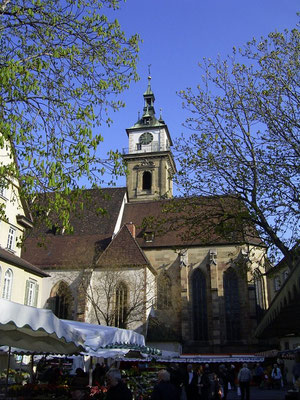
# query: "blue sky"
{"type": "Point", "coordinates": [176, 35]}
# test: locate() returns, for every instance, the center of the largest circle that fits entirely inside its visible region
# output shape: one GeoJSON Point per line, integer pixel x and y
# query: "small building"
{"type": "Point", "coordinates": [20, 281]}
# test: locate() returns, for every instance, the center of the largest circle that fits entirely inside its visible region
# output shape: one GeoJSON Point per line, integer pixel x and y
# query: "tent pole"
{"type": "Point", "coordinates": [7, 373]}
{"type": "Point", "coordinates": [31, 369]}
{"type": "Point", "coordinates": [91, 371]}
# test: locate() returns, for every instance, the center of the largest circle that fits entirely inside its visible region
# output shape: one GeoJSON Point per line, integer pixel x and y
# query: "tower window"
{"type": "Point", "coordinates": [147, 180]}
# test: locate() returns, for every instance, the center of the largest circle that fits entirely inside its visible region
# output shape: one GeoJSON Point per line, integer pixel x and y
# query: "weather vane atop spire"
{"type": "Point", "coordinates": [149, 72]}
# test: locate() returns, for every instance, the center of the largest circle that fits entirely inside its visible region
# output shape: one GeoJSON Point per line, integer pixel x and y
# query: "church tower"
{"type": "Point", "coordinates": [149, 159]}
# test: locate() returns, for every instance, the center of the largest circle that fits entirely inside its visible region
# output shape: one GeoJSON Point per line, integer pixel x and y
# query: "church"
{"type": "Point", "coordinates": [135, 266]}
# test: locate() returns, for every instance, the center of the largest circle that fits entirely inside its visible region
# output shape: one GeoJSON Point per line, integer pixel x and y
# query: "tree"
{"type": "Point", "coordinates": [245, 143]}
{"type": "Point", "coordinates": [118, 297]}
{"type": "Point", "coordinates": [62, 65]}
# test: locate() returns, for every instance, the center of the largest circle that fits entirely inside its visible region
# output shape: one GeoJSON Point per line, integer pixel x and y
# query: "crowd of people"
{"type": "Point", "coordinates": [188, 383]}
{"type": "Point", "coordinates": [178, 382]}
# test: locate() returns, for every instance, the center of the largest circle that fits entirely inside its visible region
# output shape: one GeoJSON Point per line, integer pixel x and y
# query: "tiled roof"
{"type": "Point", "coordinates": [91, 220]}
{"type": "Point", "coordinates": [64, 251]}
{"type": "Point", "coordinates": [20, 262]}
{"type": "Point", "coordinates": [92, 232]}
{"type": "Point", "coordinates": [186, 221]}
{"type": "Point", "coordinates": [123, 250]}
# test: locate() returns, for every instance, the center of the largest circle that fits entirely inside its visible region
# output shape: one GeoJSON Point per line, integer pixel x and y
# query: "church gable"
{"type": "Point", "coordinates": [123, 250]}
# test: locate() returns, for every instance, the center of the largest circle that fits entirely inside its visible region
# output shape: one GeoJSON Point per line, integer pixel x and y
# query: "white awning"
{"type": "Point", "coordinates": [99, 337]}
{"type": "Point", "coordinates": [37, 330]}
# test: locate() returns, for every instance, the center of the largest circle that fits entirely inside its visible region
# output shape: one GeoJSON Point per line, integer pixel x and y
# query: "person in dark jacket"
{"type": "Point", "coordinates": [205, 383]}
{"type": "Point", "coordinates": [190, 382]}
{"type": "Point", "coordinates": [98, 375]}
{"type": "Point", "coordinates": [164, 390]}
{"type": "Point", "coordinates": [223, 379]}
{"type": "Point", "coordinates": [117, 390]}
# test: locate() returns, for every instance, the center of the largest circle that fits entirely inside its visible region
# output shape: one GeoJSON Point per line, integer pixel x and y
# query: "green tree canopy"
{"type": "Point", "coordinates": [62, 65]}
{"type": "Point", "coordinates": [245, 142]}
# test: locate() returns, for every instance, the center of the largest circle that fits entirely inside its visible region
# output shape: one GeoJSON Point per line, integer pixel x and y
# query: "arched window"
{"type": "Point", "coordinates": [7, 284]}
{"type": "Point", "coordinates": [259, 286]}
{"type": "Point", "coordinates": [147, 180]}
{"type": "Point", "coordinates": [60, 300]}
{"type": "Point", "coordinates": [232, 305]}
{"type": "Point", "coordinates": [164, 288]}
{"type": "Point", "coordinates": [121, 305]}
{"type": "Point", "coordinates": [199, 305]}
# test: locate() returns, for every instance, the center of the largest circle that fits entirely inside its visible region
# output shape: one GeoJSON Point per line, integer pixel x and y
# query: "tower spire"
{"type": "Point", "coordinates": [148, 110]}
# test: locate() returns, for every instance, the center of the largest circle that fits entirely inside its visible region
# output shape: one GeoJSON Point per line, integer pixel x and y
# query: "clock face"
{"type": "Point", "coordinates": [146, 138]}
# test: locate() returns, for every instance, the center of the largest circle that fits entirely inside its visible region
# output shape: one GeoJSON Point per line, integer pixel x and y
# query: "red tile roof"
{"type": "Point", "coordinates": [188, 221]}
{"type": "Point", "coordinates": [92, 232]}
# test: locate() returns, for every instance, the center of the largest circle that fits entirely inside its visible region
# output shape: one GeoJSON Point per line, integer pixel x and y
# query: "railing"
{"type": "Point", "coordinates": [146, 148]}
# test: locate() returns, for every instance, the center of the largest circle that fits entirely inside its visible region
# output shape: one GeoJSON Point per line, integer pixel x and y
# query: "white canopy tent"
{"type": "Point", "coordinates": [98, 337]}
{"type": "Point", "coordinates": [37, 330]}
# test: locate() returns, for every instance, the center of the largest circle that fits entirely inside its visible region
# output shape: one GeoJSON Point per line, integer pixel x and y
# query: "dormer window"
{"type": "Point", "coordinates": [149, 237]}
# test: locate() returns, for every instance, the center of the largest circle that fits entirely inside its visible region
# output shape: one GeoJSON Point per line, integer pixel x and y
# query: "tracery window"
{"type": "Point", "coordinates": [259, 286]}
{"type": "Point", "coordinates": [7, 284]}
{"type": "Point", "coordinates": [121, 302]}
{"type": "Point", "coordinates": [232, 305]}
{"type": "Point", "coordinates": [147, 180]}
{"type": "Point", "coordinates": [164, 289]}
{"type": "Point", "coordinates": [199, 305]}
{"type": "Point", "coordinates": [60, 300]}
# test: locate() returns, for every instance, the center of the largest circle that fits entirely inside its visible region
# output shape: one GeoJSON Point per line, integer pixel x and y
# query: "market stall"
{"type": "Point", "coordinates": [36, 330]}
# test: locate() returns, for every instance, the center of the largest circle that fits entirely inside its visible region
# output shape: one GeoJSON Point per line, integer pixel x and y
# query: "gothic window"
{"type": "Point", "coordinates": [232, 305]}
{"type": "Point", "coordinates": [60, 300]}
{"type": "Point", "coordinates": [147, 180]}
{"type": "Point", "coordinates": [199, 304]}
{"type": "Point", "coordinates": [7, 284]}
{"type": "Point", "coordinates": [121, 305]}
{"type": "Point", "coordinates": [259, 286]}
{"type": "Point", "coordinates": [164, 288]}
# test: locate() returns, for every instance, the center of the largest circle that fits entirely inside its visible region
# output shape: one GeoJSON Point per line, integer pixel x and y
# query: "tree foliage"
{"type": "Point", "coordinates": [62, 65]}
{"type": "Point", "coordinates": [245, 142]}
